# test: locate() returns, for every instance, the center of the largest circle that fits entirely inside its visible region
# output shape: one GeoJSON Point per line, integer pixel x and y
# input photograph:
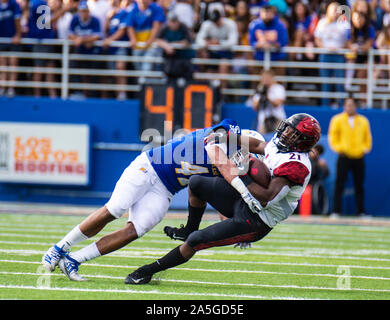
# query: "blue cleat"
{"type": "Point", "coordinates": [52, 257]}
{"type": "Point", "coordinates": [69, 267]}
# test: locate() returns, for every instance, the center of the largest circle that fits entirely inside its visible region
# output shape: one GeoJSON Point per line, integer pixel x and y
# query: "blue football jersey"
{"type": "Point", "coordinates": [184, 157]}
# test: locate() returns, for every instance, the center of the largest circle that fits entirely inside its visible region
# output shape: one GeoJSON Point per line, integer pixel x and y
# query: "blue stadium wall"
{"type": "Point", "coordinates": [118, 122]}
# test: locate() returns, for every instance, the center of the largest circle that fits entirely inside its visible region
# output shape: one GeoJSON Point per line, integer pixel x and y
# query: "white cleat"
{"type": "Point", "coordinates": [69, 267]}
{"type": "Point", "coordinates": [52, 257]}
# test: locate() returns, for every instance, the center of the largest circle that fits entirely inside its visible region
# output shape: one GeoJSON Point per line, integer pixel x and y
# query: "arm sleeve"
{"type": "Point", "coordinates": [96, 28]}
{"type": "Point", "coordinates": [367, 138]}
{"type": "Point", "coordinates": [72, 26]}
{"type": "Point", "coordinates": [201, 36]}
{"type": "Point", "coordinates": [233, 35]}
{"type": "Point", "coordinates": [159, 15]}
{"type": "Point", "coordinates": [282, 36]}
{"type": "Point", "coordinates": [294, 171]}
{"type": "Point", "coordinates": [252, 34]}
{"type": "Point", "coordinates": [334, 135]}
{"type": "Point", "coordinates": [17, 11]}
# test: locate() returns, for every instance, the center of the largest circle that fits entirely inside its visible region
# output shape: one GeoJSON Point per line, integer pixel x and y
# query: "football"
{"type": "Point", "coordinates": [259, 172]}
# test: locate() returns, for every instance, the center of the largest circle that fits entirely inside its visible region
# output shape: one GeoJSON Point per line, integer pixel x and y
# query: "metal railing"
{"type": "Point", "coordinates": [377, 91]}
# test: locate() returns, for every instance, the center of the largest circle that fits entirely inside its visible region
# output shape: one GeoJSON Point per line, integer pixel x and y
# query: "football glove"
{"type": "Point", "coordinates": [243, 245]}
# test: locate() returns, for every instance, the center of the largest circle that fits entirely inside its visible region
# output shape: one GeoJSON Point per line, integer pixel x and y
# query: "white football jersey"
{"type": "Point", "coordinates": [295, 166]}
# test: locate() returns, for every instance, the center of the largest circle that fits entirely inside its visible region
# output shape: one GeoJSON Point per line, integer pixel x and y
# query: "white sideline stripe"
{"type": "Point", "coordinates": [217, 270]}
{"type": "Point", "coordinates": [99, 276]}
{"type": "Point", "coordinates": [152, 253]}
{"type": "Point", "coordinates": [151, 292]}
{"type": "Point", "coordinates": [256, 252]}
{"type": "Point", "coordinates": [281, 236]}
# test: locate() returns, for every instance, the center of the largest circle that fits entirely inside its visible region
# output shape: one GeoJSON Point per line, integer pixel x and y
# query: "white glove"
{"type": "Point", "coordinates": [253, 204]}
{"type": "Point", "coordinates": [243, 245]}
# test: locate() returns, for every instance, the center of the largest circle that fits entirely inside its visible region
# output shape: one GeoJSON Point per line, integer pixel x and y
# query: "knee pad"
{"type": "Point", "coordinates": [195, 238]}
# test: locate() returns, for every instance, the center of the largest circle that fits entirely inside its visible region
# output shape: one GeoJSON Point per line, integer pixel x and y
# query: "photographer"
{"type": "Point", "coordinates": [268, 102]}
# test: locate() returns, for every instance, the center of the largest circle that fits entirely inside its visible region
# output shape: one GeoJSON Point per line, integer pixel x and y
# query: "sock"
{"type": "Point", "coordinates": [87, 253]}
{"type": "Point", "coordinates": [170, 260]}
{"type": "Point", "coordinates": [73, 237]}
{"type": "Point", "coordinates": [194, 217]}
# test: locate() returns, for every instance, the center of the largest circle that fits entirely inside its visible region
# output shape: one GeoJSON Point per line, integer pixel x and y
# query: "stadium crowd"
{"type": "Point", "coordinates": [157, 24]}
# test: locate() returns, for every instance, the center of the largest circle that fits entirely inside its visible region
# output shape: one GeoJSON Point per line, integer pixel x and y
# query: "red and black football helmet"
{"type": "Point", "coordinates": [298, 133]}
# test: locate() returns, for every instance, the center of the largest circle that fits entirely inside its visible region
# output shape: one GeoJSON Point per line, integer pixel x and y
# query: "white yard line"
{"type": "Point", "coordinates": [218, 270]}
{"type": "Point", "coordinates": [154, 292]}
{"type": "Point", "coordinates": [145, 252]}
{"type": "Point", "coordinates": [237, 252]}
{"type": "Point", "coordinates": [280, 253]}
{"type": "Point", "coordinates": [205, 282]}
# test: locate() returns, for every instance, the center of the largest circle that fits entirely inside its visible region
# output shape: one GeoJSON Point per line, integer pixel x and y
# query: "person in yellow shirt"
{"type": "Point", "coordinates": [350, 136]}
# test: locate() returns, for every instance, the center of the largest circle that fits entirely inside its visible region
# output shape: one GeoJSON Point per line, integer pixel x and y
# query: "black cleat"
{"type": "Point", "coordinates": [138, 277]}
{"type": "Point", "coordinates": [177, 233]}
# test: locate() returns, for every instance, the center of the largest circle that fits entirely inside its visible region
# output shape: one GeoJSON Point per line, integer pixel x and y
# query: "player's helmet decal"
{"type": "Point", "coordinates": [298, 133]}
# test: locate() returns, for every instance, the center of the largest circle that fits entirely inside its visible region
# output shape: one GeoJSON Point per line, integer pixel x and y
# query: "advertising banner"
{"type": "Point", "coordinates": [43, 153]}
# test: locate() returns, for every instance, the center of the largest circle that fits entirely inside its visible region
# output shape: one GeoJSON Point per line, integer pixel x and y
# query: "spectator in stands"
{"type": "Point", "coordinates": [242, 11]}
{"type": "Point", "coordinates": [350, 136]}
{"type": "Point", "coordinates": [99, 9]}
{"type": "Point", "coordinates": [218, 31]}
{"type": "Point", "coordinates": [84, 31]}
{"type": "Point", "coordinates": [268, 102]}
{"type": "Point", "coordinates": [363, 7]}
{"type": "Point", "coordinates": [115, 30]}
{"type": "Point", "coordinates": [185, 12]}
{"type": "Point", "coordinates": [177, 62]}
{"type": "Point", "coordinates": [280, 6]}
{"type": "Point", "coordinates": [39, 29]}
{"type": "Point", "coordinates": [10, 27]}
{"type": "Point", "coordinates": [255, 7]}
{"type": "Point", "coordinates": [383, 14]}
{"type": "Point", "coordinates": [383, 43]}
{"type": "Point", "coordinates": [361, 39]}
{"type": "Point", "coordinates": [300, 34]}
{"type": "Point", "coordinates": [61, 16]}
{"type": "Point", "coordinates": [24, 6]}
{"type": "Point", "coordinates": [332, 35]}
{"type": "Point", "coordinates": [266, 33]}
{"type": "Point", "coordinates": [144, 23]}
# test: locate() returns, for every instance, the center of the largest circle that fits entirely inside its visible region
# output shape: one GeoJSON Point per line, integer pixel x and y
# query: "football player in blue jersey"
{"type": "Point", "coordinates": [145, 189]}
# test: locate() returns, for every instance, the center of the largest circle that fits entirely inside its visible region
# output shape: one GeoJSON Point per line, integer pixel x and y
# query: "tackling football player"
{"type": "Point", "coordinates": [145, 189]}
{"type": "Point", "coordinates": [286, 156]}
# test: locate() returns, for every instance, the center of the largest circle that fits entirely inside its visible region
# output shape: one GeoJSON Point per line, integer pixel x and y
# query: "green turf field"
{"type": "Point", "coordinates": [295, 261]}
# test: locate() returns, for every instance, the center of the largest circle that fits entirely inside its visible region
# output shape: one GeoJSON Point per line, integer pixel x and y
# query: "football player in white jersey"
{"type": "Point", "coordinates": [252, 210]}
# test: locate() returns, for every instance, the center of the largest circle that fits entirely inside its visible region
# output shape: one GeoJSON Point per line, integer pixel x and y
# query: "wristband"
{"type": "Point", "coordinates": [239, 185]}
